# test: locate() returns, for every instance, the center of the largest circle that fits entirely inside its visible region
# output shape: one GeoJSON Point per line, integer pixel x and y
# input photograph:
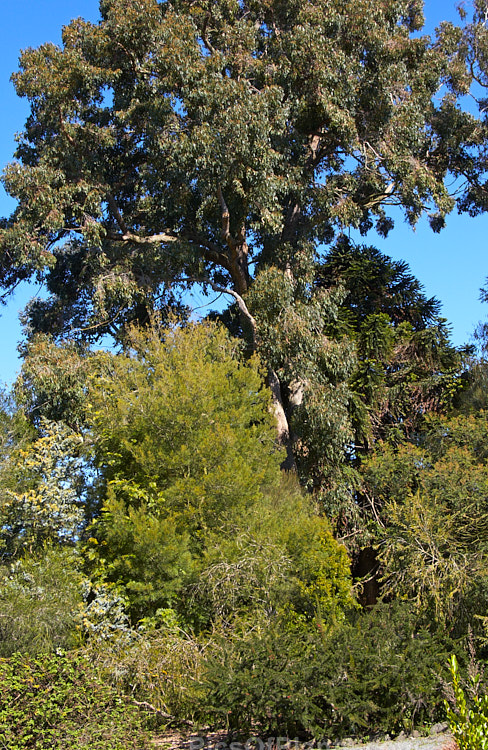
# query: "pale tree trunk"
{"type": "Point", "coordinates": [282, 424]}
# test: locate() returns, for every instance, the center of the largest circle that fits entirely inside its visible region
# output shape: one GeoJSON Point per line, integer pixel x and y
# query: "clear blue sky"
{"type": "Point", "coordinates": [452, 265]}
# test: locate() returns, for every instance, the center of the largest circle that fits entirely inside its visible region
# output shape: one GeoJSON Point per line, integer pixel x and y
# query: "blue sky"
{"type": "Point", "coordinates": [451, 265]}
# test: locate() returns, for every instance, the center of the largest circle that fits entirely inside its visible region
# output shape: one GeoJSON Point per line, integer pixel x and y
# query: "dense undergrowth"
{"type": "Point", "coordinates": [57, 701]}
{"type": "Point", "coordinates": [159, 569]}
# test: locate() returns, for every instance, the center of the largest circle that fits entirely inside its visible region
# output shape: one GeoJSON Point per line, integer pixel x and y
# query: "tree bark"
{"type": "Point", "coordinates": [282, 426]}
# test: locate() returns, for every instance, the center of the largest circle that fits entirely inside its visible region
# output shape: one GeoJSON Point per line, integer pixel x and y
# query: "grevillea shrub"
{"type": "Point", "coordinates": [373, 673]}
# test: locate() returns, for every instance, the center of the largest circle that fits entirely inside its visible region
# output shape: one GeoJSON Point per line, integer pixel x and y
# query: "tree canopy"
{"type": "Point", "coordinates": [178, 143]}
{"type": "Point", "coordinates": [174, 142]}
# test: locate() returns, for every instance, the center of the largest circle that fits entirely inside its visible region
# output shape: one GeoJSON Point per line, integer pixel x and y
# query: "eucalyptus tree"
{"type": "Point", "coordinates": [222, 143]}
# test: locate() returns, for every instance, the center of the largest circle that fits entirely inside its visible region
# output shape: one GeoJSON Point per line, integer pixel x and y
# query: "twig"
{"type": "Point", "coordinates": [163, 714]}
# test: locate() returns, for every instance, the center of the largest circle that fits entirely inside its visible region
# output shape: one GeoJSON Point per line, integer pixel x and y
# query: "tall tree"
{"type": "Point", "coordinates": [406, 369]}
{"type": "Point", "coordinates": [212, 141]}
{"type": "Point", "coordinates": [406, 365]}
{"type": "Point", "coordinates": [462, 134]}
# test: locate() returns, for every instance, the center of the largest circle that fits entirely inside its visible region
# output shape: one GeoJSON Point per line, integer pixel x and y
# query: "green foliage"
{"type": "Point", "coordinates": [182, 420]}
{"type": "Point", "coordinates": [263, 680]}
{"type": "Point", "coordinates": [16, 434]}
{"type": "Point", "coordinates": [374, 673]}
{"type": "Point", "coordinates": [224, 144]}
{"type": "Point", "coordinates": [196, 514]}
{"type": "Point", "coordinates": [14, 431]}
{"type": "Point", "coordinates": [384, 671]}
{"type": "Point", "coordinates": [468, 723]}
{"type": "Point", "coordinates": [193, 142]}
{"type": "Point", "coordinates": [183, 442]}
{"type": "Point", "coordinates": [313, 370]}
{"type": "Point", "coordinates": [375, 284]}
{"type": "Point", "coordinates": [57, 701]}
{"type": "Point", "coordinates": [40, 600]}
{"type": "Point", "coordinates": [406, 366]}
{"type": "Point", "coordinates": [173, 144]}
{"type": "Point", "coordinates": [52, 382]}
{"type": "Point", "coordinates": [41, 494]}
{"type": "Point", "coordinates": [142, 551]}
{"type": "Point", "coordinates": [160, 665]}
{"type": "Point", "coordinates": [103, 617]}
{"type": "Point", "coordinates": [466, 56]}
{"type": "Point", "coordinates": [433, 504]}
{"type": "Point", "coordinates": [281, 558]}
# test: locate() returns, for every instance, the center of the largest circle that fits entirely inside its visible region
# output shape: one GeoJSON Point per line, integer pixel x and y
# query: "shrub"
{"type": "Point", "coordinates": [468, 723]}
{"type": "Point", "coordinates": [40, 600]}
{"type": "Point", "coordinates": [57, 702]}
{"type": "Point", "coordinates": [160, 667]}
{"type": "Point", "coordinates": [264, 681]}
{"type": "Point", "coordinates": [382, 672]}
{"type": "Point", "coordinates": [372, 674]}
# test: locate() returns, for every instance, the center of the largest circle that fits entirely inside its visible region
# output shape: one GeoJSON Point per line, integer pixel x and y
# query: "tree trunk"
{"type": "Point", "coordinates": [282, 426]}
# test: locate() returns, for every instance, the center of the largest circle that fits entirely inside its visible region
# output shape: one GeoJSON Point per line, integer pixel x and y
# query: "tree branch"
{"type": "Point", "coordinates": [211, 251]}
{"type": "Point", "coordinates": [152, 239]}
{"type": "Point", "coordinates": [205, 38]}
{"type": "Point", "coordinates": [240, 303]}
{"type": "Point", "coordinates": [158, 712]}
{"type": "Point", "coordinates": [117, 215]}
{"type": "Point", "coordinates": [128, 236]}
{"type": "Point", "coordinates": [226, 235]}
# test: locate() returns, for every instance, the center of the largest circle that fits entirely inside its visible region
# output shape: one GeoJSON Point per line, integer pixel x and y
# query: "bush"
{"type": "Point", "coordinates": [57, 702]}
{"type": "Point", "coordinates": [383, 672]}
{"type": "Point", "coordinates": [263, 681]}
{"type": "Point", "coordinates": [370, 675]}
{"type": "Point", "coordinates": [160, 667]}
{"type": "Point", "coordinates": [40, 600]}
{"type": "Point", "coordinates": [469, 725]}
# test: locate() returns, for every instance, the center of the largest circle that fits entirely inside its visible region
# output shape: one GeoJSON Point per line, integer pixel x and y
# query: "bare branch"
{"type": "Point", "coordinates": [240, 303]}
{"type": "Point", "coordinates": [375, 200]}
{"type": "Point", "coordinates": [367, 144]}
{"type": "Point", "coordinates": [158, 712]}
{"type": "Point", "coordinates": [152, 239]}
